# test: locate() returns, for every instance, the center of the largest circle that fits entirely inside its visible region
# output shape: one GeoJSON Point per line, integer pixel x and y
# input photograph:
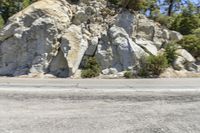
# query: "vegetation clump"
{"type": "Point", "coordinates": [91, 68]}
{"type": "Point", "coordinates": [10, 7]}
{"type": "Point", "coordinates": [116, 2]}
{"type": "Point", "coordinates": [128, 74]}
{"type": "Point", "coordinates": [1, 22]}
{"type": "Point", "coordinates": [170, 52]}
{"type": "Point", "coordinates": [192, 44]}
{"type": "Point", "coordinates": [185, 24]}
{"type": "Point", "coordinates": [153, 66]}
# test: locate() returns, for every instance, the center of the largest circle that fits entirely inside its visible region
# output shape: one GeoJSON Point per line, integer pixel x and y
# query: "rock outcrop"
{"type": "Point", "coordinates": [53, 36]}
{"type": "Point", "coordinates": [184, 60]}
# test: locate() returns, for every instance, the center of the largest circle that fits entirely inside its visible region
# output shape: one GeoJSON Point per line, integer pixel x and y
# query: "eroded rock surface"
{"type": "Point", "coordinates": [53, 36]}
{"type": "Point", "coordinates": [31, 38]}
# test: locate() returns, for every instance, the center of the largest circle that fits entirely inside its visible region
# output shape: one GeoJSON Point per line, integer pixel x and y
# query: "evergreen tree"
{"type": "Point", "coordinates": [10, 7]}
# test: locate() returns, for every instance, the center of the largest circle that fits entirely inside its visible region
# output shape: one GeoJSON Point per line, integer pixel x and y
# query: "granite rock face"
{"type": "Point", "coordinates": [53, 36]}
{"type": "Point", "coordinates": [184, 60]}
{"type": "Point", "coordinates": [73, 45]}
{"type": "Point", "coordinates": [31, 38]}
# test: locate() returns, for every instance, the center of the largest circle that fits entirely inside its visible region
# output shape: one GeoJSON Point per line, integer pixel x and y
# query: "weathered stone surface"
{"type": "Point", "coordinates": [30, 39]}
{"type": "Point", "coordinates": [113, 71]}
{"type": "Point", "coordinates": [118, 51]}
{"type": "Point", "coordinates": [73, 46]}
{"type": "Point", "coordinates": [90, 10]}
{"type": "Point", "coordinates": [125, 50]}
{"type": "Point", "coordinates": [106, 71]}
{"type": "Point", "coordinates": [59, 66]}
{"type": "Point", "coordinates": [179, 63]}
{"type": "Point", "coordinates": [145, 28]}
{"type": "Point", "coordinates": [93, 43]}
{"type": "Point", "coordinates": [52, 37]}
{"type": "Point", "coordinates": [175, 35]}
{"type": "Point", "coordinates": [186, 55]}
{"type": "Point", "coordinates": [80, 17]}
{"type": "Point", "coordinates": [148, 46]}
{"type": "Point", "coordinates": [166, 34]}
{"type": "Point", "coordinates": [184, 60]}
{"type": "Point", "coordinates": [104, 52]}
{"type": "Point", "coordinates": [126, 20]}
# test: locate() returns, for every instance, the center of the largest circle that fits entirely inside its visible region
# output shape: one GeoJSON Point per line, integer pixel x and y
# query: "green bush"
{"type": "Point", "coordinates": [196, 32]}
{"type": "Point", "coordinates": [10, 7]}
{"type": "Point", "coordinates": [175, 25]}
{"type": "Point", "coordinates": [136, 5]}
{"type": "Point", "coordinates": [116, 2]}
{"type": "Point", "coordinates": [153, 66]}
{"type": "Point", "coordinates": [170, 52]}
{"type": "Point", "coordinates": [192, 44]}
{"type": "Point", "coordinates": [185, 24]}
{"type": "Point", "coordinates": [188, 24]}
{"type": "Point", "coordinates": [128, 74]}
{"type": "Point", "coordinates": [91, 68]}
{"type": "Point", "coordinates": [1, 22]}
{"type": "Point", "coordinates": [164, 20]}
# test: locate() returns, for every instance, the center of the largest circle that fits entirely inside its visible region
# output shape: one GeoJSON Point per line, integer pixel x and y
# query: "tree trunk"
{"type": "Point", "coordinates": [170, 8]}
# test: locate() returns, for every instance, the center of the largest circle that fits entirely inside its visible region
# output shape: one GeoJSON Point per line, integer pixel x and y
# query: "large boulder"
{"type": "Point", "coordinates": [122, 50]}
{"type": "Point", "coordinates": [184, 60]}
{"type": "Point", "coordinates": [127, 21]}
{"type": "Point", "coordinates": [186, 55]}
{"type": "Point", "coordinates": [147, 45]}
{"type": "Point", "coordinates": [104, 52]}
{"type": "Point", "coordinates": [145, 28]}
{"type": "Point", "coordinates": [73, 45]}
{"type": "Point", "coordinates": [175, 35]}
{"type": "Point", "coordinates": [31, 38]}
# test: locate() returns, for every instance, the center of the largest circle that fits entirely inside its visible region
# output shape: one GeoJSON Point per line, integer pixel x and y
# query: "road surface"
{"type": "Point", "coordinates": [99, 106]}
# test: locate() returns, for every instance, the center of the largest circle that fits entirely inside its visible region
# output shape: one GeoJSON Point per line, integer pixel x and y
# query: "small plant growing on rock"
{"type": "Point", "coordinates": [91, 68]}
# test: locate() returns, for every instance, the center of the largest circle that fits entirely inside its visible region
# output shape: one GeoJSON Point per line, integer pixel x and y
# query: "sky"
{"type": "Point", "coordinates": [196, 1]}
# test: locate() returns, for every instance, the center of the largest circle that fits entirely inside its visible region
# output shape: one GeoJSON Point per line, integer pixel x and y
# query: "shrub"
{"type": "Point", "coordinates": [91, 68]}
{"type": "Point", "coordinates": [175, 25]}
{"type": "Point", "coordinates": [143, 72]}
{"type": "Point", "coordinates": [185, 24]}
{"type": "Point", "coordinates": [192, 44]}
{"type": "Point", "coordinates": [188, 24]}
{"type": "Point", "coordinates": [196, 32]}
{"type": "Point", "coordinates": [1, 22]}
{"type": "Point", "coordinates": [128, 74]}
{"type": "Point", "coordinates": [136, 5]}
{"type": "Point", "coordinates": [170, 52]}
{"type": "Point", "coordinates": [116, 2]}
{"type": "Point", "coordinates": [10, 7]}
{"type": "Point", "coordinates": [164, 20]}
{"type": "Point", "coordinates": [153, 66]}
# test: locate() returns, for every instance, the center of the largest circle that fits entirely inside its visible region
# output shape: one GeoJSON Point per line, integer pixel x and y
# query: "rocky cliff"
{"type": "Point", "coordinates": [53, 36]}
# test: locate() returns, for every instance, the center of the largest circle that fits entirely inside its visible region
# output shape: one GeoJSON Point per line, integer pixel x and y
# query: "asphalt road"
{"type": "Point", "coordinates": [102, 84]}
{"type": "Point", "coordinates": [99, 106]}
